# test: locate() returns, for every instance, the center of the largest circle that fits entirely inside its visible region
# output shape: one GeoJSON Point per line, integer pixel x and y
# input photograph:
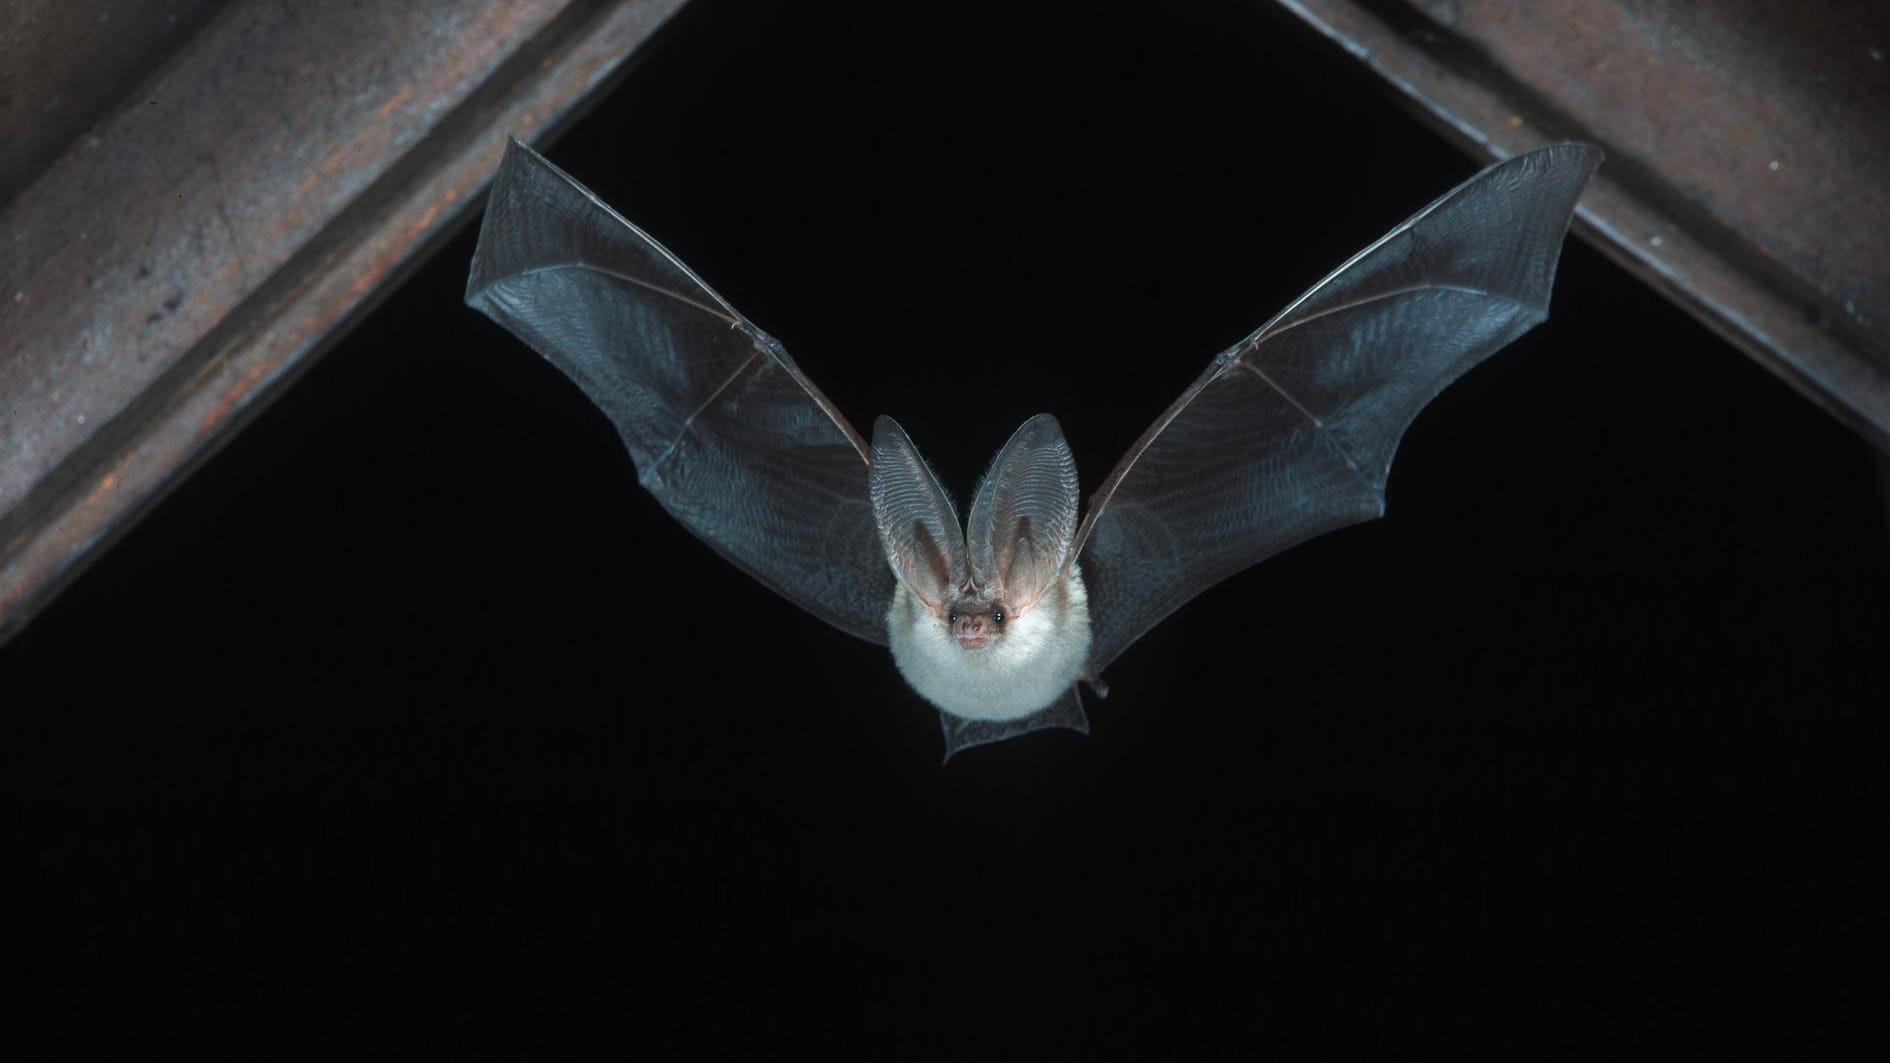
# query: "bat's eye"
{"type": "Point", "coordinates": [953, 618]}
{"type": "Point", "coordinates": [998, 616]}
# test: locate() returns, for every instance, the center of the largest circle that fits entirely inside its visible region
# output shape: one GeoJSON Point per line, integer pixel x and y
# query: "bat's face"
{"type": "Point", "coordinates": [975, 624]}
{"type": "Point", "coordinates": [980, 624]}
{"type": "Point", "coordinates": [983, 633]}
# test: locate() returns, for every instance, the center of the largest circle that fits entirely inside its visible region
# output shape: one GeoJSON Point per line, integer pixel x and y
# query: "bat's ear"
{"type": "Point", "coordinates": [917, 525]}
{"type": "Point", "coordinates": [1023, 517]}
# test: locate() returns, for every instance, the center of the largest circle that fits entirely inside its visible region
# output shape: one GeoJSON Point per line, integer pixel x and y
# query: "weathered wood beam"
{"type": "Point", "coordinates": [1748, 172]}
{"type": "Point", "coordinates": [180, 260]}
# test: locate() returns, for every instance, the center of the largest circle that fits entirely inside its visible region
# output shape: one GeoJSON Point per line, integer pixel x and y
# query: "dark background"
{"type": "Point", "coordinates": [410, 712]}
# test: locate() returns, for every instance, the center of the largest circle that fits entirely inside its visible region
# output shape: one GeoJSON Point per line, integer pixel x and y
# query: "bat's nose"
{"type": "Point", "coordinates": [973, 630]}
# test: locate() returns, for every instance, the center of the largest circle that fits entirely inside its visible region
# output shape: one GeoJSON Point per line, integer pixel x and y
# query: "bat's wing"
{"type": "Point", "coordinates": [725, 430]}
{"type": "Point", "coordinates": [1291, 432]}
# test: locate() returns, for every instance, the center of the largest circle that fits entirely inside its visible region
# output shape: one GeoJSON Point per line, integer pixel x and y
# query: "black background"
{"type": "Point", "coordinates": [410, 714]}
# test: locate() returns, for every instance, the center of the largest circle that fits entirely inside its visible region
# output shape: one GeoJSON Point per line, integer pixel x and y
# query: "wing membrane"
{"type": "Point", "coordinates": [1291, 432]}
{"type": "Point", "coordinates": [725, 430]}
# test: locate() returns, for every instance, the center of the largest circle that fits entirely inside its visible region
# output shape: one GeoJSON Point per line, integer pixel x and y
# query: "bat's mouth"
{"type": "Point", "coordinates": [975, 642]}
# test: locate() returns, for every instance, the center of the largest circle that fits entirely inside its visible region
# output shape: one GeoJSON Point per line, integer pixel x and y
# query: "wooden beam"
{"type": "Point", "coordinates": [180, 261]}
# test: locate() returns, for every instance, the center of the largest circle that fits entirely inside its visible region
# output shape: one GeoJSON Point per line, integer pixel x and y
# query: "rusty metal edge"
{"type": "Point", "coordinates": [1699, 265]}
{"type": "Point", "coordinates": [257, 351]}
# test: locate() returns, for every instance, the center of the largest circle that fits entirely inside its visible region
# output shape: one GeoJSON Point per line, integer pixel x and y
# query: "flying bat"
{"type": "Point", "coordinates": [995, 619]}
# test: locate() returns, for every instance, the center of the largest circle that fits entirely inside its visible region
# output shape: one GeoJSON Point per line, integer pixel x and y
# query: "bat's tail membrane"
{"type": "Point", "coordinates": [960, 733]}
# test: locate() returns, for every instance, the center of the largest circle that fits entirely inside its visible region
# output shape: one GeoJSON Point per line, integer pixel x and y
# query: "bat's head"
{"type": "Point", "coordinates": [991, 620]}
{"type": "Point", "coordinates": [980, 582]}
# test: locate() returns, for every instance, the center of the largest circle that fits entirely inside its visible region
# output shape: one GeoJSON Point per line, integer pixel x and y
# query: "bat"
{"type": "Point", "coordinates": [995, 619]}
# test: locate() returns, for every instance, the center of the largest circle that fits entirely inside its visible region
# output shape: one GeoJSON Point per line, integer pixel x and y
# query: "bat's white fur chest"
{"type": "Point", "coordinates": [1039, 655]}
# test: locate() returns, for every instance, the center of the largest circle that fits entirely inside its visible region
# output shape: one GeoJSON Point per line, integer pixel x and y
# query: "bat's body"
{"type": "Point", "coordinates": [1040, 656]}
{"type": "Point", "coordinates": [995, 618]}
